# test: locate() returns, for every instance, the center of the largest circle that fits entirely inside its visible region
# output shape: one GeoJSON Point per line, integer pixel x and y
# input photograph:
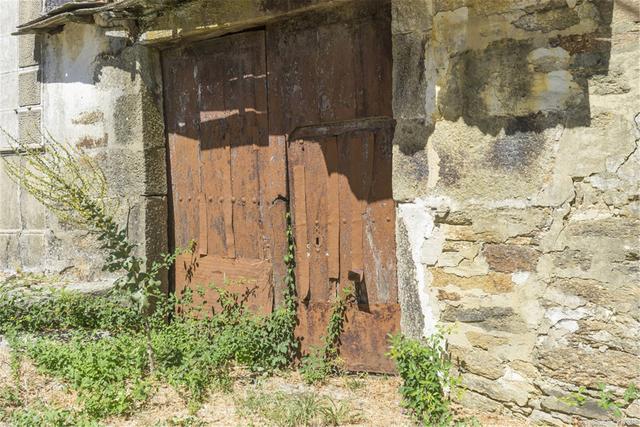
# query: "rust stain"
{"type": "Point", "coordinates": [87, 142]}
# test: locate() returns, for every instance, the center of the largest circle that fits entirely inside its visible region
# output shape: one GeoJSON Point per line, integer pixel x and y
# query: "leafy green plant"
{"type": "Point", "coordinates": [47, 416]}
{"type": "Point", "coordinates": [606, 399]}
{"type": "Point", "coordinates": [576, 398]}
{"type": "Point", "coordinates": [106, 372]}
{"type": "Point", "coordinates": [608, 402]}
{"type": "Point", "coordinates": [325, 360]}
{"type": "Point", "coordinates": [72, 185]}
{"type": "Point", "coordinates": [300, 409]}
{"type": "Point", "coordinates": [427, 381]}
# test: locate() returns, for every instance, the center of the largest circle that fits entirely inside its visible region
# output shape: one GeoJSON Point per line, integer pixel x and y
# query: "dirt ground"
{"type": "Point", "coordinates": [373, 398]}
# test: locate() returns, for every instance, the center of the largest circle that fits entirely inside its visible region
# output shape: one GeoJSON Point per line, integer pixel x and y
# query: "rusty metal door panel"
{"type": "Point", "coordinates": [221, 88]}
{"type": "Point", "coordinates": [344, 217]}
{"type": "Point", "coordinates": [328, 96]}
{"type": "Point", "coordinates": [330, 69]}
{"type": "Point", "coordinates": [243, 277]}
{"type": "Point", "coordinates": [364, 340]}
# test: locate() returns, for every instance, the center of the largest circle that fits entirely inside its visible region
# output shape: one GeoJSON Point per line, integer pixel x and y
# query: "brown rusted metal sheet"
{"type": "Point", "coordinates": [332, 97]}
{"type": "Point", "coordinates": [244, 277]}
{"type": "Point", "coordinates": [221, 167]}
{"type": "Point", "coordinates": [364, 342]}
{"type": "Point", "coordinates": [363, 253]}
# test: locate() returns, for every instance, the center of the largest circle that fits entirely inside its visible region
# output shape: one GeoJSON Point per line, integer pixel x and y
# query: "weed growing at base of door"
{"type": "Point", "coordinates": [110, 370]}
{"type": "Point", "coordinates": [114, 368]}
{"type": "Point", "coordinates": [324, 361]}
{"type": "Point", "coordinates": [427, 381]}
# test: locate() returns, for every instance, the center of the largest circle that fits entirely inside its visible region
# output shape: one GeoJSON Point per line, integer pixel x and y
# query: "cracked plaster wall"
{"type": "Point", "coordinates": [101, 94]}
{"type": "Point", "coordinates": [517, 172]}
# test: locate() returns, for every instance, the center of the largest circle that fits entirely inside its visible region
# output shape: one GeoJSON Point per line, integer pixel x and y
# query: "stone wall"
{"type": "Point", "coordinates": [22, 219]}
{"type": "Point", "coordinates": [93, 89]}
{"type": "Point", "coordinates": [517, 176]}
{"type": "Point", "coordinates": [102, 94]}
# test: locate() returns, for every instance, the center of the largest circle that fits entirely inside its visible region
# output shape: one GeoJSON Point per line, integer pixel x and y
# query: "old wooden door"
{"type": "Point", "coordinates": [344, 222]}
{"type": "Point", "coordinates": [227, 180]}
{"type": "Point", "coordinates": [330, 94]}
{"type": "Point", "coordinates": [315, 89]}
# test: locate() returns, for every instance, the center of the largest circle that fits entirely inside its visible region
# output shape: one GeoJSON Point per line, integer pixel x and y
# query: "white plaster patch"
{"type": "Point", "coordinates": [520, 277]}
{"type": "Point", "coordinates": [556, 314]}
{"type": "Point", "coordinates": [418, 221]}
{"type": "Point", "coordinates": [568, 325]}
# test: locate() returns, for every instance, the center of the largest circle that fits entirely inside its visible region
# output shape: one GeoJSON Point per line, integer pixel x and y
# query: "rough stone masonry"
{"type": "Point", "coordinates": [516, 174]}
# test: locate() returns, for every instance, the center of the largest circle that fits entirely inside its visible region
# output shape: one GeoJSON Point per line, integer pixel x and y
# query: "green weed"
{"type": "Point", "coordinates": [425, 369]}
{"type": "Point", "coordinates": [46, 416]}
{"type": "Point", "coordinates": [324, 361]}
{"type": "Point", "coordinates": [301, 409]}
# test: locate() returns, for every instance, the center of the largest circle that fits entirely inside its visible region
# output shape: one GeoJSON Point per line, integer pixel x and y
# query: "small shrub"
{"type": "Point", "coordinates": [59, 310]}
{"type": "Point", "coordinates": [325, 360]}
{"type": "Point", "coordinates": [301, 409]}
{"type": "Point", "coordinates": [47, 416]}
{"type": "Point", "coordinates": [425, 369]}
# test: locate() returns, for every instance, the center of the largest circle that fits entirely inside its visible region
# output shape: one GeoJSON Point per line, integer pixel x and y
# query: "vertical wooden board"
{"type": "Point", "coordinates": [380, 249]}
{"type": "Point", "coordinates": [353, 166]}
{"type": "Point", "coordinates": [272, 203]}
{"type": "Point", "coordinates": [303, 249]}
{"type": "Point", "coordinates": [346, 199]}
{"type": "Point", "coordinates": [213, 154]}
{"type": "Point", "coordinates": [246, 171]}
{"type": "Point", "coordinates": [373, 62]}
{"type": "Point", "coordinates": [240, 150]}
{"type": "Point", "coordinates": [336, 73]}
{"type": "Point", "coordinates": [292, 61]}
{"type": "Point", "coordinates": [333, 208]}
{"type": "Point", "coordinates": [272, 168]}
{"type": "Point", "coordinates": [316, 200]}
{"type": "Point", "coordinates": [183, 152]}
